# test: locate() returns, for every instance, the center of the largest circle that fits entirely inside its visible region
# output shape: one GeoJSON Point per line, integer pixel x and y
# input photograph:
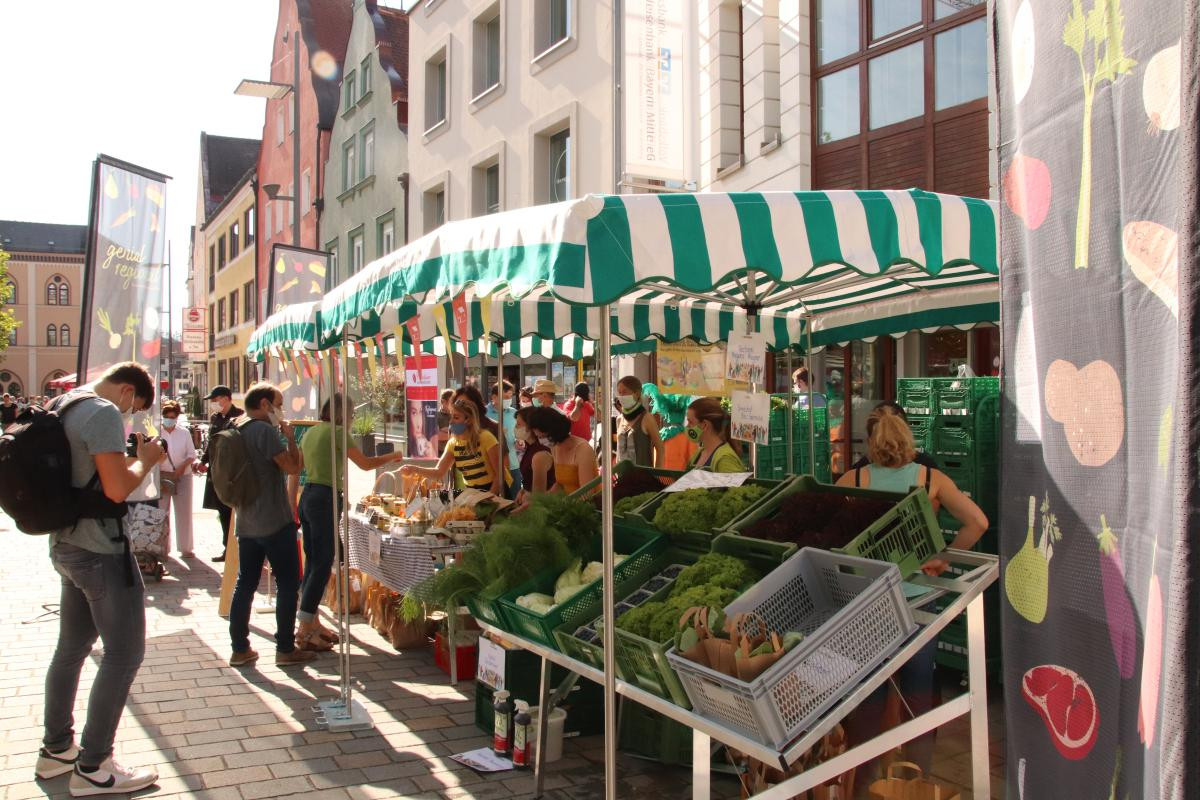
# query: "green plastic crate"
{"type": "Point", "coordinates": [799, 483]}
{"type": "Point", "coordinates": [961, 470]}
{"type": "Point", "coordinates": [666, 476]}
{"type": "Point", "coordinates": [922, 431]}
{"type": "Point", "coordinates": [953, 436]}
{"type": "Point", "coordinates": [960, 396]}
{"type": "Point", "coordinates": [908, 535]}
{"type": "Point", "coordinates": [777, 426]}
{"type": "Point", "coordinates": [823, 471]}
{"type": "Point", "coordinates": [915, 396]}
{"type": "Point", "coordinates": [698, 540]}
{"type": "Point", "coordinates": [642, 547]}
{"type": "Point", "coordinates": [647, 734]}
{"type": "Point", "coordinates": [487, 611]}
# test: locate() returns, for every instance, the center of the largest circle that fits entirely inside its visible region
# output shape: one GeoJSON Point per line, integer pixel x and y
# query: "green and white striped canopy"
{"type": "Point", "coordinates": [840, 255]}
{"type": "Point", "coordinates": [292, 328]}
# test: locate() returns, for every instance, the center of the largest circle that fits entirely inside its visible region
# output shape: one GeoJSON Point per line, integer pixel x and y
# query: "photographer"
{"type": "Point", "coordinates": [102, 594]}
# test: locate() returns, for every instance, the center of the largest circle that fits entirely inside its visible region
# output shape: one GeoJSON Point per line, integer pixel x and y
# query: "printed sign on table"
{"type": "Point", "coordinates": [751, 416]}
{"type": "Point", "coordinates": [746, 357]}
{"type": "Point", "coordinates": [490, 669]}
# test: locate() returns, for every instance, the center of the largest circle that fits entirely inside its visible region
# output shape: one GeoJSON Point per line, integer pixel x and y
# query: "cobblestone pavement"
{"type": "Point", "coordinates": [217, 732]}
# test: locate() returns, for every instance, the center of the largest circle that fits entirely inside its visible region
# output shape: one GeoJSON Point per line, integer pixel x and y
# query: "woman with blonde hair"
{"type": "Point", "coordinates": [472, 450]}
{"type": "Point", "coordinates": [708, 427]}
{"type": "Point", "coordinates": [893, 468]}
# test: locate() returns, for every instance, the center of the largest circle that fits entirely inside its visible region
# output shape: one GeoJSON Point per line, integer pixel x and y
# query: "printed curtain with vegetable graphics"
{"type": "Point", "coordinates": [1098, 132]}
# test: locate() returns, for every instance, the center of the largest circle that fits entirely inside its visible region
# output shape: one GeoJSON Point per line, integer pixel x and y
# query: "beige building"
{"type": "Point", "coordinates": [223, 259]}
{"type": "Point", "coordinates": [45, 268]}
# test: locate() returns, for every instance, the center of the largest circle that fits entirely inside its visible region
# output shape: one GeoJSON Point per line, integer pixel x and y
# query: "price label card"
{"type": "Point", "coordinates": [374, 546]}
{"type": "Point", "coordinates": [751, 417]}
{"type": "Point", "coordinates": [746, 358]}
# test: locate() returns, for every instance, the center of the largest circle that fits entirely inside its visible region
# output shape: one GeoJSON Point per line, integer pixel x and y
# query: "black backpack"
{"type": "Point", "coordinates": [35, 474]}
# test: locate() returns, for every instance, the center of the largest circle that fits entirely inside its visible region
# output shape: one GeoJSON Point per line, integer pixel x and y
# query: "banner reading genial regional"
{"type": "Point", "coordinates": [123, 276]}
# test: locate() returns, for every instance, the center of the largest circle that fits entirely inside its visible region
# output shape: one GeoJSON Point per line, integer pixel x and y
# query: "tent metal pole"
{"type": "Point", "coordinates": [501, 410]}
{"type": "Point", "coordinates": [812, 412]}
{"type": "Point", "coordinates": [752, 327]}
{"type": "Point", "coordinates": [606, 503]}
{"type": "Point", "coordinates": [342, 492]}
{"type": "Point", "coordinates": [791, 413]}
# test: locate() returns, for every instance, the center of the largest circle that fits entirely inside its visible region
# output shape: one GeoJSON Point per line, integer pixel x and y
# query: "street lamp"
{"type": "Point", "coordinates": [274, 90]}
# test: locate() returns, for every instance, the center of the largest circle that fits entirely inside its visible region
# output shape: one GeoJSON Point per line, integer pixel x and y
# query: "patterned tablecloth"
{"type": "Point", "coordinates": [403, 562]}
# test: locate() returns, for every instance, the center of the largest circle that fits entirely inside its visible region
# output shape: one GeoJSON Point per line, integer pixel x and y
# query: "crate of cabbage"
{"type": "Point", "coordinates": [573, 595]}
{"type": "Point", "coordinates": [648, 616]}
{"type": "Point", "coordinates": [898, 528]}
{"type": "Point", "coordinates": [852, 615]}
{"type": "Point", "coordinates": [692, 518]}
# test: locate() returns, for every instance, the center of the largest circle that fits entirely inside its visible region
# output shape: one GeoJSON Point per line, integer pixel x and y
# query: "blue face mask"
{"type": "Point", "coordinates": [458, 428]}
{"type": "Point", "coordinates": [169, 422]}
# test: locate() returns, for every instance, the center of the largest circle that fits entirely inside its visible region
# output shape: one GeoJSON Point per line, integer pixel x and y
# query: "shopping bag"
{"type": "Point", "coordinates": [143, 525]}
{"type": "Point", "coordinates": [894, 787]}
{"type": "Point", "coordinates": [405, 635]}
{"type": "Point", "coordinates": [698, 641]}
{"type": "Point", "coordinates": [749, 664]}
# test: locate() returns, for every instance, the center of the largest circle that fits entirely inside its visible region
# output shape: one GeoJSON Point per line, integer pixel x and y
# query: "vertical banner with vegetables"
{"type": "Point", "coordinates": [297, 276]}
{"type": "Point", "coordinates": [124, 276]}
{"type": "Point", "coordinates": [1097, 596]}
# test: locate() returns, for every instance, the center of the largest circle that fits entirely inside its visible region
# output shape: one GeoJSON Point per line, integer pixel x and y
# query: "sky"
{"type": "Point", "coordinates": [137, 80]}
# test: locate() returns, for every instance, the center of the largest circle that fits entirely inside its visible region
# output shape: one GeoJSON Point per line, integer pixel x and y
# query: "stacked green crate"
{"type": "Point", "coordinates": [773, 457]}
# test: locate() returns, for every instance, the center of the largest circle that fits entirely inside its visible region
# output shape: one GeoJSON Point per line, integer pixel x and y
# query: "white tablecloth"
{"type": "Point", "coordinates": [403, 562]}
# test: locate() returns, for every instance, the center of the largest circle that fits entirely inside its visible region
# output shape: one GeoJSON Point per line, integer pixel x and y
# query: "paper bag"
{"type": "Point", "coordinates": [894, 787]}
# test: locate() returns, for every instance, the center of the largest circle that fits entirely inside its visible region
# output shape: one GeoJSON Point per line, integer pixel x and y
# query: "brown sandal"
{"type": "Point", "coordinates": [328, 635]}
{"type": "Point", "coordinates": [313, 642]}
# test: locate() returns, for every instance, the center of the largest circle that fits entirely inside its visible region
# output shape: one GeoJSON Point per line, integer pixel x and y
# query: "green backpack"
{"type": "Point", "coordinates": [233, 478]}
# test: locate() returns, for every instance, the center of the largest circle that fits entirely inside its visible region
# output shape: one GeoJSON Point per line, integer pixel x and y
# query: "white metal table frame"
{"type": "Point", "coordinates": [981, 570]}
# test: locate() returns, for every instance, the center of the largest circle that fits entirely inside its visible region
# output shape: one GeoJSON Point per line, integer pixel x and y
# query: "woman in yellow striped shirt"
{"type": "Point", "coordinates": [474, 452]}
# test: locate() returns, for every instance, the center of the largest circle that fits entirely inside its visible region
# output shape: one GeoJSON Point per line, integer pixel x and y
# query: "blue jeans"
{"type": "Point", "coordinates": [280, 550]}
{"type": "Point", "coordinates": [97, 602]}
{"type": "Point", "coordinates": [316, 519]}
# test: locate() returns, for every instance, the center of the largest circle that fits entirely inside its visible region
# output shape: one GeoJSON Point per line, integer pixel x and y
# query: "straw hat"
{"type": "Point", "coordinates": [545, 386]}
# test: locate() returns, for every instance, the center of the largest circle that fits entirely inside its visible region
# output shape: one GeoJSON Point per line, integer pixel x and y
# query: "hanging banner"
{"type": "Point", "coordinates": [461, 320]}
{"type": "Point", "coordinates": [656, 136]}
{"type": "Point", "coordinates": [750, 417]}
{"type": "Point", "coordinates": [746, 357]}
{"type": "Point", "coordinates": [421, 406]}
{"type": "Point", "coordinates": [439, 319]}
{"type": "Point", "coordinates": [297, 275]}
{"type": "Point", "coordinates": [123, 274]}
{"type": "Point", "coordinates": [690, 368]}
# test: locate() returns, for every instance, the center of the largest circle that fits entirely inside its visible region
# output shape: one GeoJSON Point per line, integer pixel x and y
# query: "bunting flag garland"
{"type": "Point", "coordinates": [319, 357]}
{"type": "Point", "coordinates": [485, 310]}
{"type": "Point", "coordinates": [461, 320]}
{"type": "Point", "coordinates": [398, 333]}
{"type": "Point", "coordinates": [439, 319]}
{"type": "Point", "coordinates": [308, 370]}
{"type": "Point", "coordinates": [383, 362]}
{"type": "Point", "coordinates": [372, 367]}
{"type": "Point", "coordinates": [358, 359]}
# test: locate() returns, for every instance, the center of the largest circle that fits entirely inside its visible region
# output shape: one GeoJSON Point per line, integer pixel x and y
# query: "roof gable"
{"type": "Point", "coordinates": [224, 161]}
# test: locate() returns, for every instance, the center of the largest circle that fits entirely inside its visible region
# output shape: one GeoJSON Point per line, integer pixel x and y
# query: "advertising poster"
{"type": "Point", "coordinates": [297, 275]}
{"type": "Point", "coordinates": [750, 417]}
{"type": "Point", "coordinates": [123, 276]}
{"type": "Point", "coordinates": [746, 357]}
{"type": "Point", "coordinates": [690, 368]}
{"type": "Point", "coordinates": [421, 406]}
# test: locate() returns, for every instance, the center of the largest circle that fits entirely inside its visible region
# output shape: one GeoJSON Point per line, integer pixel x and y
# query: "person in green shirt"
{"type": "Point", "coordinates": [708, 427]}
{"type": "Point", "coordinates": [316, 518]}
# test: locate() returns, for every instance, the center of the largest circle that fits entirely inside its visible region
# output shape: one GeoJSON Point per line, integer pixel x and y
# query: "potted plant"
{"type": "Point", "coordinates": [363, 427]}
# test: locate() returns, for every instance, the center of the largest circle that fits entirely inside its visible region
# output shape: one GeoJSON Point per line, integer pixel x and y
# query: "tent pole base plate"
{"type": "Point", "coordinates": [334, 715]}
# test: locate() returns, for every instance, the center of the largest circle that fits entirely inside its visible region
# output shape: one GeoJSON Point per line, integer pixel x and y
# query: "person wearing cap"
{"type": "Point", "coordinates": [544, 392]}
{"type": "Point", "coordinates": [226, 412]}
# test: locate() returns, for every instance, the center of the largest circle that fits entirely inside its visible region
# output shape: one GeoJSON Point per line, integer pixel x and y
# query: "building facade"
{"type": "Point", "coordinates": [45, 269]}
{"type": "Point", "coordinates": [363, 214]}
{"type": "Point", "coordinates": [223, 258]}
{"type": "Point", "coordinates": [320, 29]}
{"type": "Point", "coordinates": [510, 106]}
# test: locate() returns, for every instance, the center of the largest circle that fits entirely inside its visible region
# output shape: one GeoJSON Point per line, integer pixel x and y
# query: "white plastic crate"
{"type": "Point", "coordinates": [853, 614]}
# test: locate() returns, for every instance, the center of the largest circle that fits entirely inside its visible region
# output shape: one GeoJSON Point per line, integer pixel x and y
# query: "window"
{"type": "Point", "coordinates": [365, 70]}
{"type": "Point", "coordinates": [486, 55]}
{"type": "Point", "coordinates": [485, 187]}
{"type": "Point", "coordinates": [57, 292]}
{"type": "Point", "coordinates": [10, 293]}
{"type": "Point", "coordinates": [212, 331]}
{"type": "Point", "coordinates": [348, 86]}
{"type": "Point", "coordinates": [434, 207]}
{"type": "Point", "coordinates": [552, 23]}
{"type": "Point", "coordinates": [248, 301]}
{"type": "Point", "coordinates": [386, 239]}
{"type": "Point", "coordinates": [349, 164]}
{"type": "Point", "coordinates": [221, 253]}
{"type": "Point", "coordinates": [64, 335]}
{"type": "Point", "coordinates": [948, 8]}
{"type": "Point", "coordinates": [897, 81]}
{"type": "Point", "coordinates": [223, 372]}
{"type": "Point", "coordinates": [305, 192]}
{"type": "Point", "coordinates": [12, 337]}
{"type": "Point", "coordinates": [235, 240]}
{"type": "Point", "coordinates": [279, 126]}
{"type": "Point", "coordinates": [333, 262]}
{"type": "Point", "coordinates": [435, 91]}
{"type": "Point", "coordinates": [960, 65]}
{"type": "Point", "coordinates": [892, 16]}
{"type": "Point", "coordinates": [249, 221]}
{"type": "Point", "coordinates": [837, 29]}
{"type": "Point", "coordinates": [64, 294]}
{"type": "Point", "coordinates": [233, 308]}
{"type": "Point", "coordinates": [51, 336]}
{"type": "Point", "coordinates": [235, 383]}
{"type": "Point", "coordinates": [221, 314]}
{"type": "Point", "coordinates": [838, 113]}
{"type": "Point", "coordinates": [559, 167]}
{"type": "Point", "coordinates": [368, 152]}
{"type": "Point", "coordinates": [356, 251]}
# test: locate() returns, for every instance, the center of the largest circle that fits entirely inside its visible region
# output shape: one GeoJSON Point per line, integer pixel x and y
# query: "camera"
{"type": "Point", "coordinates": [131, 444]}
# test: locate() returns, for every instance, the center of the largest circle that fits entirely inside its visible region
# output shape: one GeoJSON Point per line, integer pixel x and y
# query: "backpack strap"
{"type": "Point", "coordinates": [858, 476]}
{"type": "Point", "coordinates": [928, 478]}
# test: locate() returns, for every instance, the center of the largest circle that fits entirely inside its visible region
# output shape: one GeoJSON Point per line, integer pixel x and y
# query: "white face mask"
{"type": "Point", "coordinates": [628, 401]}
{"type": "Point", "coordinates": [521, 432]}
{"type": "Point", "coordinates": [545, 441]}
{"type": "Point", "coordinates": [274, 417]}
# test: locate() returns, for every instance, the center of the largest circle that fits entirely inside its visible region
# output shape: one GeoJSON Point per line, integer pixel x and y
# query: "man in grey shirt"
{"type": "Point", "coordinates": [266, 530]}
{"type": "Point", "coordinates": [101, 590]}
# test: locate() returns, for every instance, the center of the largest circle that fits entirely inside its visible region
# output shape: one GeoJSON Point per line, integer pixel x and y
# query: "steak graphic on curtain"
{"type": "Point", "coordinates": [1098, 238]}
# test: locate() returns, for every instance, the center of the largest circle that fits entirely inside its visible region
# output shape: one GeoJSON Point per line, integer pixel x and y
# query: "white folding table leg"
{"type": "Point", "coordinates": [701, 765]}
{"type": "Point", "coordinates": [977, 675]}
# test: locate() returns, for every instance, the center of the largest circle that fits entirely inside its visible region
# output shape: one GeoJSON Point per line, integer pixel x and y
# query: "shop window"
{"type": "Point", "coordinates": [839, 111]}
{"type": "Point", "coordinates": [943, 352]}
{"type": "Point", "coordinates": [892, 16]}
{"type": "Point", "coordinates": [960, 65]}
{"type": "Point", "coordinates": [837, 29]}
{"type": "Point", "coordinates": [897, 81]}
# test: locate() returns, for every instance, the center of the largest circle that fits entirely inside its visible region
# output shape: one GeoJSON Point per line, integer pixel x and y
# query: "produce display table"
{"type": "Point", "coordinates": [961, 593]}
{"type": "Point", "coordinates": [403, 561]}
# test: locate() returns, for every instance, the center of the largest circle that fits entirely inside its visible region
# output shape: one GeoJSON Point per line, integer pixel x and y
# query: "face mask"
{"type": "Point", "coordinates": [169, 422]}
{"type": "Point", "coordinates": [545, 441]}
{"type": "Point", "coordinates": [693, 432]}
{"type": "Point", "coordinates": [537, 401]}
{"type": "Point", "coordinates": [458, 428]}
{"type": "Point", "coordinates": [274, 417]}
{"type": "Point", "coordinates": [628, 401]}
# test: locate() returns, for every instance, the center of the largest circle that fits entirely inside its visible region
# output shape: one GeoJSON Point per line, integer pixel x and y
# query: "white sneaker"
{"type": "Point", "coordinates": [111, 778]}
{"type": "Point", "coordinates": [51, 765]}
